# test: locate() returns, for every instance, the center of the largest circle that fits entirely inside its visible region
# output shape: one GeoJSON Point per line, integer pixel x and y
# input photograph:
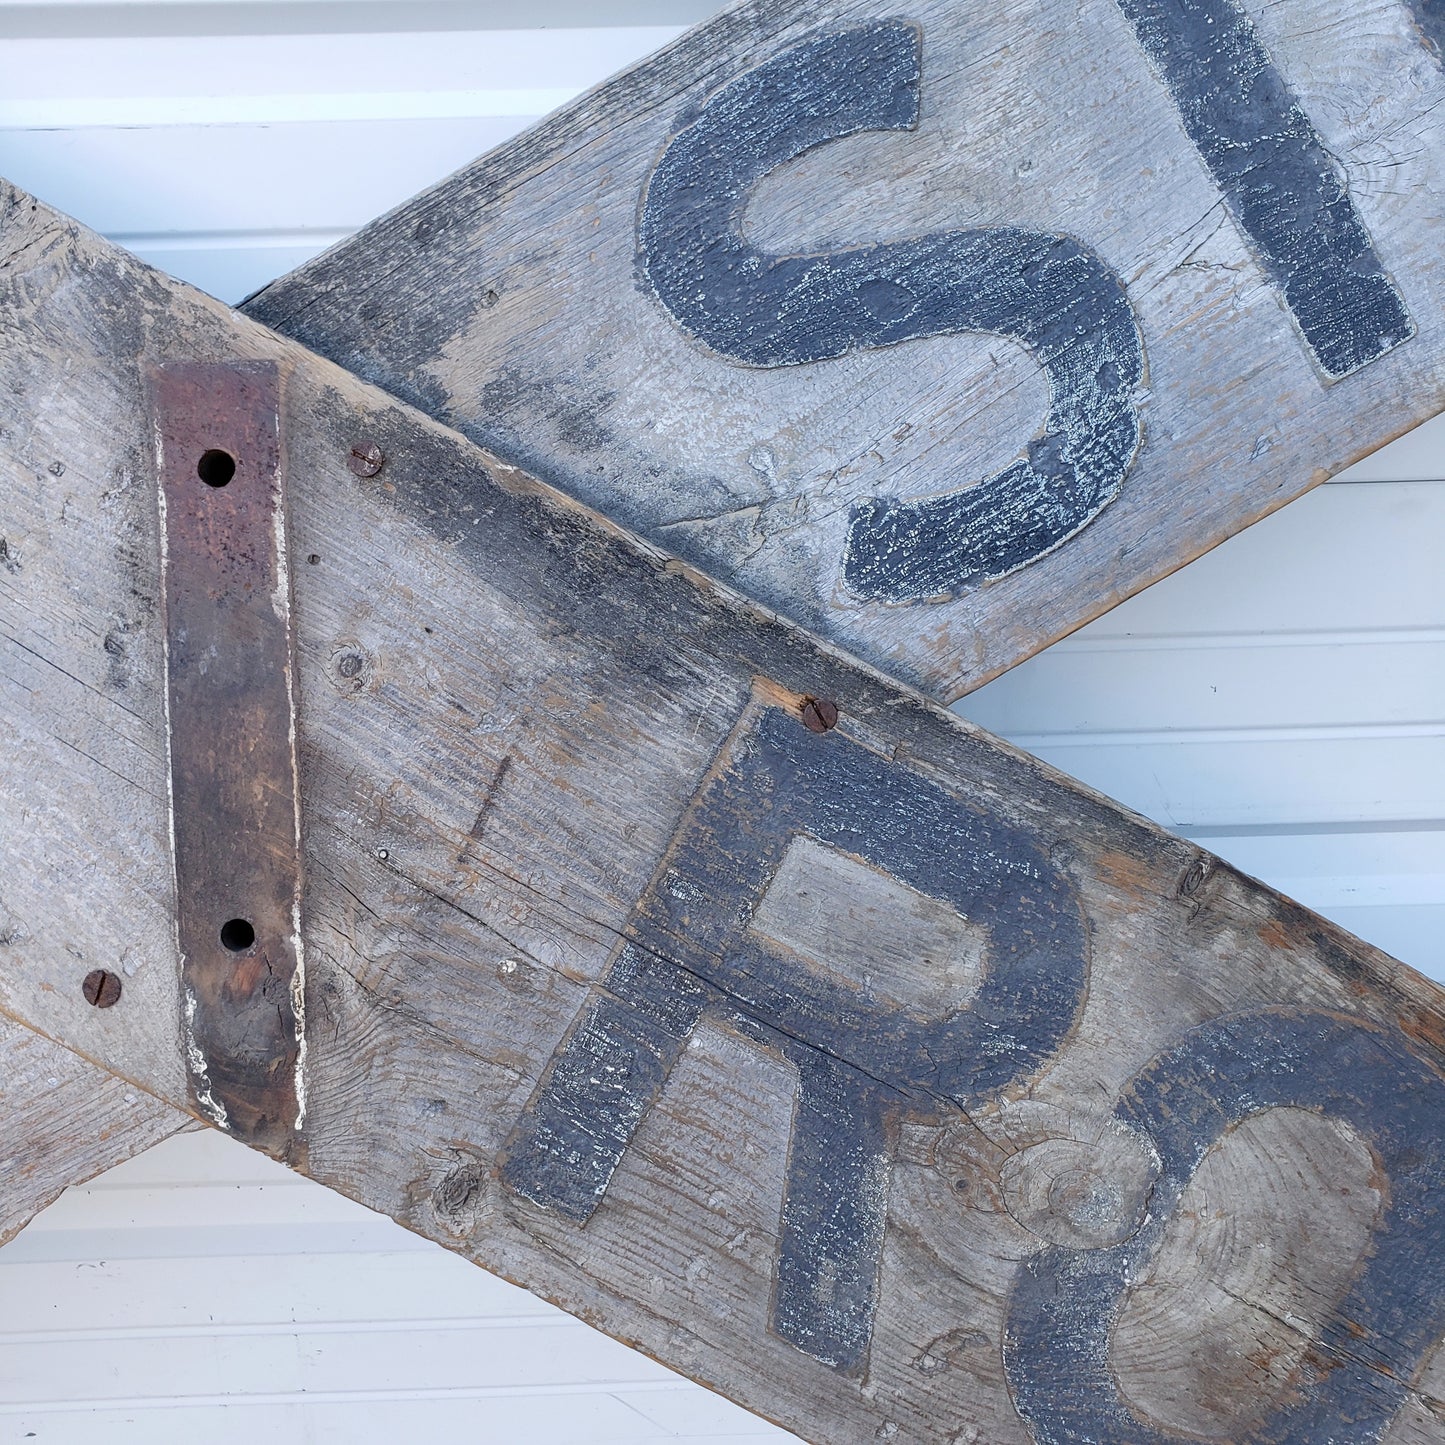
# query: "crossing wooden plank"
{"type": "Point", "coordinates": [938, 334]}
{"type": "Point", "coordinates": [589, 890]}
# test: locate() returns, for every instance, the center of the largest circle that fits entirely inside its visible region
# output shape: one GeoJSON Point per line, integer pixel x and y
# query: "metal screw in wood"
{"type": "Point", "coordinates": [101, 988]}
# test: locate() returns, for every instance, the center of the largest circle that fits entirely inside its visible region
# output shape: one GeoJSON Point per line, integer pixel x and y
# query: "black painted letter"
{"type": "Point", "coordinates": [1284, 189]}
{"type": "Point", "coordinates": [1064, 1301]}
{"type": "Point", "coordinates": [1047, 292]}
{"type": "Point", "coordinates": [1430, 17]}
{"type": "Point", "coordinates": [863, 1061]}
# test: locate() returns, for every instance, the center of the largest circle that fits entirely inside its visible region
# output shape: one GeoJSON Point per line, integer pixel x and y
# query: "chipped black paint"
{"type": "Point", "coordinates": [1283, 187]}
{"type": "Point", "coordinates": [1047, 292]}
{"type": "Point", "coordinates": [835, 1210]}
{"type": "Point", "coordinates": [862, 1061]}
{"type": "Point", "coordinates": [1430, 17]}
{"type": "Point", "coordinates": [1355, 1377]}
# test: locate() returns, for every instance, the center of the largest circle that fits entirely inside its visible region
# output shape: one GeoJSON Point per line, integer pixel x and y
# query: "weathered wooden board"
{"type": "Point", "coordinates": [878, 1076]}
{"type": "Point", "coordinates": [938, 331]}
{"type": "Point", "coordinates": [63, 1120]}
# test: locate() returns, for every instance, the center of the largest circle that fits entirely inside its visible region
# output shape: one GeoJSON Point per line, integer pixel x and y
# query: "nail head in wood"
{"type": "Point", "coordinates": [819, 714]}
{"type": "Point", "coordinates": [101, 988]}
{"type": "Point", "coordinates": [366, 459]}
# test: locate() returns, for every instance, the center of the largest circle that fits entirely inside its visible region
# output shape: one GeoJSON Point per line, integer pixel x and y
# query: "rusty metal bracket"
{"type": "Point", "coordinates": [230, 689]}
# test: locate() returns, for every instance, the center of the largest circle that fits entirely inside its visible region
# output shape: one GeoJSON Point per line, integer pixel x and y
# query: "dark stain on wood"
{"type": "Point", "coordinates": [489, 798]}
{"type": "Point", "coordinates": [1274, 934]}
{"type": "Point", "coordinates": [1286, 191]}
{"type": "Point", "coordinates": [1048, 292]}
{"type": "Point", "coordinates": [1425, 1026]}
{"type": "Point", "coordinates": [862, 1061]}
{"type": "Point", "coordinates": [1393, 1312]}
{"type": "Point", "coordinates": [1134, 877]}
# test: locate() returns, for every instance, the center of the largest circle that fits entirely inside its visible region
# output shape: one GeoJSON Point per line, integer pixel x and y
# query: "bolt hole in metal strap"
{"type": "Point", "coordinates": [231, 736]}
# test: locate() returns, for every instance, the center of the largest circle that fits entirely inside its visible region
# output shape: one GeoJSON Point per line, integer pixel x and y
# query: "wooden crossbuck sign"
{"type": "Point", "coordinates": [505, 872]}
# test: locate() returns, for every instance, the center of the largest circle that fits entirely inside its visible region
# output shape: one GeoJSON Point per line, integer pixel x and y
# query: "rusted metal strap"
{"type": "Point", "coordinates": [232, 737]}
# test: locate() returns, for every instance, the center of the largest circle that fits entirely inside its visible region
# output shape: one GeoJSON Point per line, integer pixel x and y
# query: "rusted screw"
{"type": "Point", "coordinates": [366, 459]}
{"type": "Point", "coordinates": [101, 988]}
{"type": "Point", "coordinates": [819, 715]}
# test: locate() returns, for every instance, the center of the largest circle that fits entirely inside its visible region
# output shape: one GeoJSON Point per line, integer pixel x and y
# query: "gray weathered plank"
{"type": "Point", "coordinates": [589, 993]}
{"type": "Point", "coordinates": [1212, 228]}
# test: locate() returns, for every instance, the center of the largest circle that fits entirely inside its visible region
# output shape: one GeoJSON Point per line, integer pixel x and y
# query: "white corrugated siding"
{"type": "Point", "coordinates": [1282, 700]}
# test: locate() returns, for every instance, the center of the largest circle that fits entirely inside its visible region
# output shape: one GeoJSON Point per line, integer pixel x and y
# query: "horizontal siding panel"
{"type": "Point", "coordinates": [153, 1306]}
{"type": "Point", "coordinates": [234, 1294]}
{"type": "Point", "coordinates": [281, 146]}
{"type": "Point", "coordinates": [222, 1205]}
{"type": "Point", "coordinates": [595, 1419]}
{"type": "Point", "coordinates": [35, 19]}
{"type": "Point", "coordinates": [1205, 782]}
{"type": "Point", "coordinates": [554, 1356]}
{"type": "Point", "coordinates": [545, 1357]}
{"type": "Point", "coordinates": [87, 81]}
{"type": "Point", "coordinates": [196, 185]}
{"type": "Point", "coordinates": [1294, 675]}
{"type": "Point", "coordinates": [1343, 867]}
{"type": "Point", "coordinates": [197, 1240]}
{"type": "Point", "coordinates": [1342, 558]}
{"type": "Point", "coordinates": [230, 272]}
{"type": "Point", "coordinates": [1229, 684]}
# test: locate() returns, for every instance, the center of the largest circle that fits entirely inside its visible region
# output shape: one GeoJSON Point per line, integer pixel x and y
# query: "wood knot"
{"type": "Point", "coordinates": [350, 667]}
{"type": "Point", "coordinates": [1082, 1193]}
{"type": "Point", "coordinates": [456, 1197]}
{"type": "Point", "coordinates": [947, 1350]}
{"type": "Point", "coordinates": [1196, 876]}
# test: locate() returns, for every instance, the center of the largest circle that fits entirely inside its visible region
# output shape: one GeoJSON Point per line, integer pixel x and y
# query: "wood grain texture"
{"type": "Point", "coordinates": [570, 1008]}
{"type": "Point", "coordinates": [804, 363]}
{"type": "Point", "coordinates": [63, 1121]}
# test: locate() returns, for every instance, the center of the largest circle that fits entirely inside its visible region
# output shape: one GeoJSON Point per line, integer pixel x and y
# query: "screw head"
{"type": "Point", "coordinates": [820, 715]}
{"type": "Point", "coordinates": [101, 988]}
{"type": "Point", "coordinates": [366, 459]}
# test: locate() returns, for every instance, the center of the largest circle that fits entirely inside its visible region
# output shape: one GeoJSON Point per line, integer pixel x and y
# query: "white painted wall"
{"type": "Point", "coordinates": [1282, 700]}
